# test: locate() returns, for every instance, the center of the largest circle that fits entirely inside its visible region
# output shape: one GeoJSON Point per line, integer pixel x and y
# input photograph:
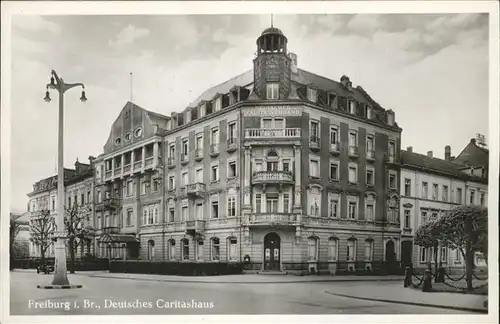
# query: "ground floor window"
{"type": "Point", "coordinates": [199, 250]}
{"type": "Point", "coordinates": [215, 249]}
{"type": "Point", "coordinates": [313, 249]}
{"type": "Point", "coordinates": [351, 250]}
{"type": "Point", "coordinates": [423, 254]}
{"type": "Point", "coordinates": [458, 256]}
{"type": "Point", "coordinates": [333, 249]}
{"type": "Point", "coordinates": [444, 254]}
{"type": "Point", "coordinates": [233, 249]}
{"type": "Point", "coordinates": [185, 249]}
{"type": "Point", "coordinates": [171, 248]}
{"type": "Point", "coordinates": [151, 250]}
{"type": "Point", "coordinates": [369, 250]}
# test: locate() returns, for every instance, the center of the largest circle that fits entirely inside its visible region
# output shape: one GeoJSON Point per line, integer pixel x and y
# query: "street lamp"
{"type": "Point", "coordinates": [60, 271]}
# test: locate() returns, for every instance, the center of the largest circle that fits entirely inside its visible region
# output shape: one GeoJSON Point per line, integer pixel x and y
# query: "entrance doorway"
{"type": "Point", "coordinates": [390, 257]}
{"type": "Point", "coordinates": [272, 253]}
{"type": "Point", "coordinates": [406, 253]}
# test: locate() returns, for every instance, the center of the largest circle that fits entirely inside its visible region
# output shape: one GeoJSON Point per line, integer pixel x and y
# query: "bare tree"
{"type": "Point", "coordinates": [42, 227]}
{"type": "Point", "coordinates": [78, 229]}
{"type": "Point", "coordinates": [14, 230]}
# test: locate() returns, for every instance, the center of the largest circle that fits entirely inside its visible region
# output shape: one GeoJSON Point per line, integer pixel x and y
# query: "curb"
{"type": "Point", "coordinates": [244, 282]}
{"type": "Point", "coordinates": [476, 310]}
{"type": "Point", "coordinates": [58, 286]}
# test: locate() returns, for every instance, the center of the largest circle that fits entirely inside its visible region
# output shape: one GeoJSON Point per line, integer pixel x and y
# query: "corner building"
{"type": "Point", "coordinates": [280, 167]}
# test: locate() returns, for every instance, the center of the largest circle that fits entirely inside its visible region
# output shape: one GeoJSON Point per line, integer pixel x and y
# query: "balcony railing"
{"type": "Point", "coordinates": [214, 150]}
{"type": "Point", "coordinates": [195, 225]}
{"type": "Point", "coordinates": [196, 189]}
{"type": "Point", "coordinates": [232, 145]}
{"type": "Point", "coordinates": [111, 230]}
{"type": "Point", "coordinates": [109, 174]}
{"type": "Point", "coordinates": [126, 168]}
{"type": "Point", "coordinates": [272, 219]}
{"type": "Point", "coordinates": [268, 133]}
{"type": "Point", "coordinates": [353, 151]}
{"type": "Point", "coordinates": [138, 165]}
{"type": "Point", "coordinates": [391, 158]}
{"type": "Point", "coordinates": [171, 162]}
{"type": "Point", "coordinates": [148, 161]}
{"type": "Point", "coordinates": [272, 177]}
{"type": "Point", "coordinates": [334, 148]}
{"type": "Point", "coordinates": [370, 155]}
{"type": "Point", "coordinates": [184, 158]}
{"type": "Point", "coordinates": [198, 154]}
{"type": "Point", "coordinates": [314, 142]}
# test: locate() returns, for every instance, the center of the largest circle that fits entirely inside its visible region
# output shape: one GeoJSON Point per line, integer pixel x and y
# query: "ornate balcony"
{"type": "Point", "coordinates": [194, 226]}
{"type": "Point", "coordinates": [314, 143]}
{"type": "Point", "coordinates": [198, 154]}
{"type": "Point", "coordinates": [370, 155]}
{"type": "Point", "coordinates": [171, 162]}
{"type": "Point", "coordinates": [353, 151]}
{"type": "Point", "coordinates": [111, 230]}
{"type": "Point", "coordinates": [184, 159]}
{"type": "Point", "coordinates": [273, 219]}
{"type": "Point", "coordinates": [214, 150]}
{"type": "Point", "coordinates": [279, 177]}
{"type": "Point", "coordinates": [334, 148]}
{"type": "Point", "coordinates": [272, 133]}
{"type": "Point", "coordinates": [108, 204]}
{"type": "Point", "coordinates": [232, 145]}
{"type": "Point", "coordinates": [197, 189]}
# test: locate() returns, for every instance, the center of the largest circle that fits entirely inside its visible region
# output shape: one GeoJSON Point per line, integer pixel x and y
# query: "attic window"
{"type": "Point", "coordinates": [218, 104]}
{"type": "Point", "coordinates": [202, 111]}
{"type": "Point", "coordinates": [312, 95]}
{"type": "Point", "coordinates": [331, 100]}
{"type": "Point", "coordinates": [272, 91]}
{"type": "Point", "coordinates": [369, 112]}
{"type": "Point", "coordinates": [127, 136]}
{"type": "Point", "coordinates": [138, 132]}
{"type": "Point", "coordinates": [390, 118]}
{"type": "Point", "coordinates": [352, 106]}
{"type": "Point", "coordinates": [118, 141]}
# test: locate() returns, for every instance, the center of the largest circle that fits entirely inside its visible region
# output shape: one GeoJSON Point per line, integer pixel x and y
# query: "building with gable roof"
{"type": "Point", "coordinates": [295, 171]}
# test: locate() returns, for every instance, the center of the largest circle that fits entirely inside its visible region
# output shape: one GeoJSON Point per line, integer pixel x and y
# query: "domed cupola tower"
{"type": "Point", "coordinates": [272, 66]}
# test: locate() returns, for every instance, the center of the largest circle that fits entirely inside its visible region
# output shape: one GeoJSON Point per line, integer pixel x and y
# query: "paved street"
{"type": "Point", "coordinates": [164, 298]}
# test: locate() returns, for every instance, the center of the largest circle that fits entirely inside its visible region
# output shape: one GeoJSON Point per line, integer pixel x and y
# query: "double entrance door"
{"type": "Point", "coordinates": [272, 253]}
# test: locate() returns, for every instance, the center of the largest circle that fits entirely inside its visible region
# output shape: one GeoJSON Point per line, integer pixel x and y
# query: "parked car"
{"type": "Point", "coordinates": [46, 267]}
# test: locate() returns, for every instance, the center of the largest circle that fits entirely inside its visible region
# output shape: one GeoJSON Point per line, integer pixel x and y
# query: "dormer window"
{"type": "Point", "coordinates": [169, 124]}
{"type": "Point", "coordinates": [218, 104]}
{"type": "Point", "coordinates": [272, 91]}
{"type": "Point", "coordinates": [352, 107]}
{"type": "Point", "coordinates": [312, 94]}
{"type": "Point", "coordinates": [390, 118]}
{"type": "Point", "coordinates": [188, 116]}
{"type": "Point", "coordinates": [332, 100]}
{"type": "Point", "coordinates": [202, 110]}
{"type": "Point", "coordinates": [369, 112]}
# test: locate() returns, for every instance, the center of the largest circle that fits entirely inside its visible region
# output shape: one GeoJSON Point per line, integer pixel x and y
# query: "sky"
{"type": "Point", "coordinates": [430, 69]}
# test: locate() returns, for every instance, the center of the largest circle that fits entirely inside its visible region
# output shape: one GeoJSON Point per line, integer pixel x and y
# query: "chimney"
{"type": "Point", "coordinates": [409, 149]}
{"type": "Point", "coordinates": [345, 81]}
{"type": "Point", "coordinates": [447, 153]}
{"type": "Point", "coordinates": [77, 166]}
{"type": "Point", "coordinates": [473, 141]}
{"type": "Point", "coordinates": [429, 153]}
{"type": "Point", "coordinates": [293, 58]}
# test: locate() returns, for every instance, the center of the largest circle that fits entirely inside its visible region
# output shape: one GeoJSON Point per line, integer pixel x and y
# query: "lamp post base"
{"type": "Point", "coordinates": [58, 286]}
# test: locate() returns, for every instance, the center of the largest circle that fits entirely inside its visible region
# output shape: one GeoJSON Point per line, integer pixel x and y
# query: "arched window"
{"type": "Point", "coordinates": [351, 249]}
{"type": "Point", "coordinates": [171, 249]}
{"type": "Point", "coordinates": [368, 249]}
{"type": "Point", "coordinates": [313, 248]}
{"type": "Point", "coordinates": [185, 249]}
{"type": "Point", "coordinates": [199, 249]}
{"type": "Point", "coordinates": [232, 248]}
{"type": "Point", "coordinates": [215, 251]}
{"type": "Point", "coordinates": [272, 161]}
{"type": "Point", "coordinates": [333, 246]}
{"type": "Point", "coordinates": [151, 250]}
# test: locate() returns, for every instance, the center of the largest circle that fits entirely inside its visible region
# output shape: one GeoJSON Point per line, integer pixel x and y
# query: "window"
{"type": "Point", "coordinates": [171, 183]}
{"type": "Point", "coordinates": [199, 211]}
{"type": "Point", "coordinates": [171, 247]}
{"type": "Point", "coordinates": [171, 214]}
{"type": "Point", "coordinates": [435, 191]}
{"type": "Point", "coordinates": [314, 131]}
{"type": "Point", "coordinates": [231, 206]}
{"type": "Point", "coordinates": [444, 254]}
{"type": "Point", "coordinates": [155, 184]}
{"type": "Point", "coordinates": [199, 175]}
{"type": "Point", "coordinates": [392, 180]}
{"type": "Point", "coordinates": [128, 221]}
{"type": "Point", "coordinates": [392, 149]}
{"type": "Point", "coordinates": [314, 168]}
{"type": "Point", "coordinates": [272, 91]}
{"type": "Point", "coordinates": [334, 135]}
{"type": "Point", "coordinates": [185, 249]}
{"type": "Point", "coordinates": [352, 210]}
{"type": "Point", "coordinates": [472, 197]}
{"type": "Point", "coordinates": [199, 250]}
{"type": "Point", "coordinates": [151, 250]}
{"type": "Point", "coordinates": [184, 213]}
{"type": "Point", "coordinates": [333, 249]}
{"type": "Point", "coordinates": [143, 187]}
{"type": "Point", "coordinates": [215, 173]}
{"type": "Point", "coordinates": [271, 203]}
{"type": "Point", "coordinates": [82, 199]}
{"type": "Point", "coordinates": [333, 207]}
{"type": "Point", "coordinates": [215, 249]}
{"type": "Point", "coordinates": [459, 195]}
{"type": "Point", "coordinates": [99, 221]}
{"type": "Point", "coordinates": [407, 219]}
{"type": "Point", "coordinates": [258, 203]}
{"type": "Point", "coordinates": [445, 193]}
{"type": "Point", "coordinates": [231, 132]}
{"type": "Point", "coordinates": [368, 250]}
{"type": "Point", "coordinates": [171, 151]}
{"type": "Point", "coordinates": [369, 211]}
{"type": "Point", "coordinates": [423, 219]}
{"type": "Point", "coordinates": [272, 166]}
{"type": "Point", "coordinates": [353, 138]}
{"type": "Point", "coordinates": [481, 199]}
{"type": "Point", "coordinates": [312, 95]}
{"type": "Point", "coordinates": [69, 202]}
{"type": "Point", "coordinates": [218, 104]}
{"type": "Point", "coordinates": [369, 112]}
{"type": "Point", "coordinates": [351, 250]}
{"type": "Point", "coordinates": [286, 203]}
{"type": "Point", "coordinates": [353, 174]}
{"type": "Point", "coordinates": [99, 197]}
{"type": "Point", "coordinates": [215, 209]}
{"type": "Point", "coordinates": [434, 217]}
{"type": "Point", "coordinates": [334, 169]}
{"type": "Point", "coordinates": [185, 147]}
{"type": "Point", "coordinates": [232, 249]}
{"type": "Point", "coordinates": [231, 173]}
{"type": "Point", "coordinates": [129, 188]}
{"type": "Point", "coordinates": [184, 179]}
{"type": "Point", "coordinates": [423, 254]}
{"type": "Point", "coordinates": [370, 143]}
{"type": "Point", "coordinates": [286, 166]}
{"type": "Point", "coordinates": [425, 190]}
{"type": "Point", "coordinates": [458, 256]}
{"type": "Point", "coordinates": [369, 176]}
{"type": "Point", "coordinates": [199, 141]}
{"type": "Point", "coordinates": [352, 107]}
{"type": "Point", "coordinates": [407, 187]}
{"type": "Point", "coordinates": [215, 136]}
{"type": "Point", "coordinates": [314, 200]}
{"type": "Point", "coordinates": [53, 203]}
{"type": "Point", "coordinates": [313, 249]}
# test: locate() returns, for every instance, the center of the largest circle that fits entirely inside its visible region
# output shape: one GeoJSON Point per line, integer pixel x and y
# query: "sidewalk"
{"type": "Point", "coordinates": [396, 293]}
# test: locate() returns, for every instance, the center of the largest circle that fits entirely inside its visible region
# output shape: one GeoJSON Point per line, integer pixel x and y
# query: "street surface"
{"type": "Point", "coordinates": [111, 296]}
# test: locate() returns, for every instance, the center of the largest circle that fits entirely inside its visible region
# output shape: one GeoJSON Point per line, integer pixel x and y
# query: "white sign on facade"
{"type": "Point", "coordinates": [269, 111]}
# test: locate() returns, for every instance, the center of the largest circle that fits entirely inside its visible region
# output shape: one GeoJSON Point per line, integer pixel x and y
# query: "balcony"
{"type": "Point", "coordinates": [194, 226]}
{"type": "Point", "coordinates": [353, 151]}
{"type": "Point", "coordinates": [118, 170]}
{"type": "Point", "coordinates": [370, 155]}
{"type": "Point", "coordinates": [391, 159]}
{"type": "Point", "coordinates": [127, 168]}
{"type": "Point", "coordinates": [314, 143]}
{"type": "Point", "coordinates": [198, 154]}
{"type": "Point", "coordinates": [108, 174]}
{"type": "Point", "coordinates": [265, 177]}
{"type": "Point", "coordinates": [111, 230]}
{"type": "Point", "coordinates": [334, 148]}
{"type": "Point", "coordinates": [214, 150]}
{"type": "Point", "coordinates": [273, 219]}
{"type": "Point", "coordinates": [232, 145]}
{"type": "Point", "coordinates": [171, 162]}
{"type": "Point", "coordinates": [272, 133]}
{"type": "Point", "coordinates": [137, 165]}
{"type": "Point", "coordinates": [108, 204]}
{"type": "Point", "coordinates": [196, 189]}
{"type": "Point", "coordinates": [148, 161]}
{"type": "Point", "coordinates": [184, 159]}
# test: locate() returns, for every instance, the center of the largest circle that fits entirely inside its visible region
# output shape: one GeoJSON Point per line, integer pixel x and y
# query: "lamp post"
{"type": "Point", "coordinates": [60, 271]}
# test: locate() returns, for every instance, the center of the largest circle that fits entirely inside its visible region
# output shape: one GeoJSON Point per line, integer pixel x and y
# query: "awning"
{"type": "Point", "coordinates": [117, 238]}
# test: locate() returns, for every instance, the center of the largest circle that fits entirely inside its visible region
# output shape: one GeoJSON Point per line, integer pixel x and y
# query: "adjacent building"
{"type": "Point", "coordinates": [285, 167]}
{"type": "Point", "coordinates": [430, 187]}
